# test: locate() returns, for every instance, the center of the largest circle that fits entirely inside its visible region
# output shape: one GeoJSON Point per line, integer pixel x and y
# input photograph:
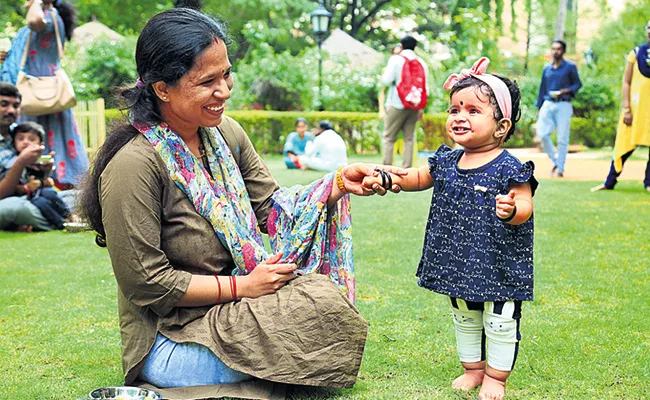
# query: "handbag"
{"type": "Point", "coordinates": [43, 95]}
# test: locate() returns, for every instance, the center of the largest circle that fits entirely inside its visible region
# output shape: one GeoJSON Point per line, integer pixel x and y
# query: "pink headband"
{"type": "Point", "coordinates": [499, 88]}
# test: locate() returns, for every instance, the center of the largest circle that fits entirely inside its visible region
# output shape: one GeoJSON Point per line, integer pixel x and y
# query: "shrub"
{"type": "Point", "coordinates": [362, 131]}
{"type": "Point", "coordinates": [102, 66]}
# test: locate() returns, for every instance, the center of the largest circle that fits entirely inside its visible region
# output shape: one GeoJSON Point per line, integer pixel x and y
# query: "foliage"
{"type": "Point", "coordinates": [594, 98]}
{"type": "Point", "coordinates": [127, 17]}
{"type": "Point", "coordinates": [101, 67]}
{"type": "Point", "coordinates": [618, 37]}
{"type": "Point", "coordinates": [273, 81]}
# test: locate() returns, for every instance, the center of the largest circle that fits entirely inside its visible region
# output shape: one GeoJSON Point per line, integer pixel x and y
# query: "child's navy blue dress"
{"type": "Point", "coordinates": [468, 252]}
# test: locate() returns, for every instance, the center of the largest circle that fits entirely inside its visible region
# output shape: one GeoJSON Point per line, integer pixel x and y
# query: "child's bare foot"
{"type": "Point", "coordinates": [472, 377]}
{"type": "Point", "coordinates": [492, 389]}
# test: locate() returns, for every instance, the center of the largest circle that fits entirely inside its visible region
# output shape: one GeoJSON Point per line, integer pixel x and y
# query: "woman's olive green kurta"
{"type": "Point", "coordinates": [307, 333]}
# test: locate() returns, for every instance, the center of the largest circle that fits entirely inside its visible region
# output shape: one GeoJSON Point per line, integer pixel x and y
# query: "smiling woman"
{"type": "Point", "coordinates": [181, 199]}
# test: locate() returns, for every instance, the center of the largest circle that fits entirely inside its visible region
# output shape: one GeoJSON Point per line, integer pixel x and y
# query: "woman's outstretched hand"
{"type": "Point", "coordinates": [353, 175]}
{"type": "Point", "coordinates": [268, 277]}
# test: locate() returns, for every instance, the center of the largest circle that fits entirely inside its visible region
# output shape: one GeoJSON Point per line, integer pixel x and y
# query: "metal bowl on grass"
{"type": "Point", "coordinates": [124, 393]}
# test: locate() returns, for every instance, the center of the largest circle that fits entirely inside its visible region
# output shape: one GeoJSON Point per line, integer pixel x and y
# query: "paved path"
{"type": "Point", "coordinates": [587, 166]}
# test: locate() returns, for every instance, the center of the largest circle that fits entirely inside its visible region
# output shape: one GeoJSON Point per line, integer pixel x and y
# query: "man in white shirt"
{"type": "Point", "coordinates": [399, 118]}
{"type": "Point", "coordinates": [327, 152]}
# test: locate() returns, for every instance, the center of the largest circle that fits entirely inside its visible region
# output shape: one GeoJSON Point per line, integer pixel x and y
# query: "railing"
{"type": "Point", "coordinates": [91, 123]}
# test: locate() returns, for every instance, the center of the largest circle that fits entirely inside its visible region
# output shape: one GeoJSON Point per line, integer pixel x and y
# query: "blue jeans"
{"type": "Point", "coordinates": [53, 208]}
{"type": "Point", "coordinates": [555, 115]}
{"type": "Point", "coordinates": [16, 211]}
{"type": "Point", "coordinates": [290, 164]}
{"type": "Point", "coordinates": [171, 364]}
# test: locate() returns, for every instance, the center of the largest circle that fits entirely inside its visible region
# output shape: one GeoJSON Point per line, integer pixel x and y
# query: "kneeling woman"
{"type": "Point", "coordinates": [180, 198]}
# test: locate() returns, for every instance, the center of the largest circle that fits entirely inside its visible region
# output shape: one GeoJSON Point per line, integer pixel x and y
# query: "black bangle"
{"type": "Point", "coordinates": [390, 181]}
{"type": "Point", "coordinates": [511, 217]}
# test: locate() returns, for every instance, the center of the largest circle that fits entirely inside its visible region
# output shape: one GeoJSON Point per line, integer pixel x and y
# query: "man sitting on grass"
{"type": "Point", "coordinates": [15, 211]}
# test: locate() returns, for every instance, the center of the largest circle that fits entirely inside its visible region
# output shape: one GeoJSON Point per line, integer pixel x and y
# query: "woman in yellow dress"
{"type": "Point", "coordinates": [634, 125]}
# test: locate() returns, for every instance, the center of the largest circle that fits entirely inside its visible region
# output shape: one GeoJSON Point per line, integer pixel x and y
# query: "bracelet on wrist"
{"type": "Point", "coordinates": [339, 181]}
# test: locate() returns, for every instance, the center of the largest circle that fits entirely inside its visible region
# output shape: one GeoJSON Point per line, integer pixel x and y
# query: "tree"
{"type": "Point", "coordinates": [561, 20]}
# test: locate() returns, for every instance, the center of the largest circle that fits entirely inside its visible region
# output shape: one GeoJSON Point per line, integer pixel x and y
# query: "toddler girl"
{"type": "Point", "coordinates": [478, 249]}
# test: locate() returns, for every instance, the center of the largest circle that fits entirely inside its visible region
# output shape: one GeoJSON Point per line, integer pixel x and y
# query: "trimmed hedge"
{"type": "Point", "coordinates": [362, 131]}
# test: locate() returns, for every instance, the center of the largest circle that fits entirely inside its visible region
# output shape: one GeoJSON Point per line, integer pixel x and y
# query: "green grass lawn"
{"type": "Point", "coordinates": [586, 335]}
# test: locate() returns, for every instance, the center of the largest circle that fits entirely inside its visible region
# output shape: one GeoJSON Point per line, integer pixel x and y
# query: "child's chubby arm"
{"type": "Point", "coordinates": [417, 179]}
{"type": "Point", "coordinates": [516, 207]}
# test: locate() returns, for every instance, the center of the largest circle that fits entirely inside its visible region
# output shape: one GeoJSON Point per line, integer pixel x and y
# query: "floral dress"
{"type": "Point", "coordinates": [62, 134]}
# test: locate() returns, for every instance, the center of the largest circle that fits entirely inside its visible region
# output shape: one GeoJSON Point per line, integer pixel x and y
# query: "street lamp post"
{"type": "Point", "coordinates": [320, 23]}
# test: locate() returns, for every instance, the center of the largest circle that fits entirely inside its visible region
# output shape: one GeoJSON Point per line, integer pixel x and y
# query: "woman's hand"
{"type": "Point", "coordinates": [627, 118]}
{"type": "Point", "coordinates": [353, 175]}
{"type": "Point", "coordinates": [266, 278]}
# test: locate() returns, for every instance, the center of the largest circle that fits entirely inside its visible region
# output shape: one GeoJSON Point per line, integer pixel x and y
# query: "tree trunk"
{"type": "Point", "coordinates": [529, 22]}
{"type": "Point", "coordinates": [561, 19]}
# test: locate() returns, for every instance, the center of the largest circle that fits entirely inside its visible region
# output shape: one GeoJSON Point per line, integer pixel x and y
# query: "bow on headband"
{"type": "Point", "coordinates": [498, 87]}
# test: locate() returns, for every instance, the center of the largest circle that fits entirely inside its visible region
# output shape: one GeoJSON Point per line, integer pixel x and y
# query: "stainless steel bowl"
{"type": "Point", "coordinates": [124, 393]}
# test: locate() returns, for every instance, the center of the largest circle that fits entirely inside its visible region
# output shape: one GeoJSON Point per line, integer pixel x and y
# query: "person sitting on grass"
{"type": "Point", "coordinates": [296, 143]}
{"type": "Point", "coordinates": [327, 152]}
{"type": "Point", "coordinates": [478, 248]}
{"type": "Point", "coordinates": [35, 182]}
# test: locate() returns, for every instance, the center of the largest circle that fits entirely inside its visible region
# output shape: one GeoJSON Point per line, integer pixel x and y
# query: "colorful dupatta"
{"type": "Point", "coordinates": [300, 225]}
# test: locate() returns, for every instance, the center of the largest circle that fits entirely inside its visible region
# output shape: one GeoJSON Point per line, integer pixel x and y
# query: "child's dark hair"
{"type": "Point", "coordinates": [26, 127]}
{"type": "Point", "coordinates": [485, 90]}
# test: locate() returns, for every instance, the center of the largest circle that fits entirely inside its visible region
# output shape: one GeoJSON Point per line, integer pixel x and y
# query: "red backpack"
{"type": "Point", "coordinates": [412, 88]}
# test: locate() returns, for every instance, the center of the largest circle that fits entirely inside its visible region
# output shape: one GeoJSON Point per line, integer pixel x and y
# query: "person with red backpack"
{"type": "Point", "coordinates": [406, 77]}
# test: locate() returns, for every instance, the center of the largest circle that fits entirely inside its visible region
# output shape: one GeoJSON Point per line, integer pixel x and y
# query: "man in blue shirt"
{"type": "Point", "coordinates": [560, 83]}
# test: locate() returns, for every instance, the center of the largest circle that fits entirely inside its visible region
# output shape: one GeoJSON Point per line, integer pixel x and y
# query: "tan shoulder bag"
{"type": "Point", "coordinates": [43, 95]}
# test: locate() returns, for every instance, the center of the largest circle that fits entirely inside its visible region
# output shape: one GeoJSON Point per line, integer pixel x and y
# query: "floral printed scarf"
{"type": "Point", "coordinates": [300, 225]}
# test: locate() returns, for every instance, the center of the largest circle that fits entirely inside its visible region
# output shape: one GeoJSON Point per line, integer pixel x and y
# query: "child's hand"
{"type": "Point", "coordinates": [33, 184]}
{"type": "Point", "coordinates": [505, 205]}
{"type": "Point", "coordinates": [48, 182]}
{"type": "Point", "coordinates": [369, 181]}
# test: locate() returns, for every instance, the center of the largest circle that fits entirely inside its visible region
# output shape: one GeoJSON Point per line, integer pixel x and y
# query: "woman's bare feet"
{"type": "Point", "coordinates": [494, 384]}
{"type": "Point", "coordinates": [472, 377]}
{"type": "Point", "coordinates": [25, 228]}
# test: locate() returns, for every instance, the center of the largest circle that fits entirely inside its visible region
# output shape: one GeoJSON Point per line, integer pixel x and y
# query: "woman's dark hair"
{"type": "Point", "coordinates": [299, 120]}
{"type": "Point", "coordinates": [484, 89]}
{"type": "Point", "coordinates": [68, 14]}
{"type": "Point", "coordinates": [28, 126]}
{"type": "Point", "coordinates": [166, 51]}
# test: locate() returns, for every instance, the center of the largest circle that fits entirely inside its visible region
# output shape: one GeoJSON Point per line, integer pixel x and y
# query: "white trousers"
{"type": "Point", "coordinates": [495, 324]}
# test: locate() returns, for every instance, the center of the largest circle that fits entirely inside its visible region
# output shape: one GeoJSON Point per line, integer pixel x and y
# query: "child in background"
{"type": "Point", "coordinates": [34, 183]}
{"type": "Point", "coordinates": [478, 248]}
